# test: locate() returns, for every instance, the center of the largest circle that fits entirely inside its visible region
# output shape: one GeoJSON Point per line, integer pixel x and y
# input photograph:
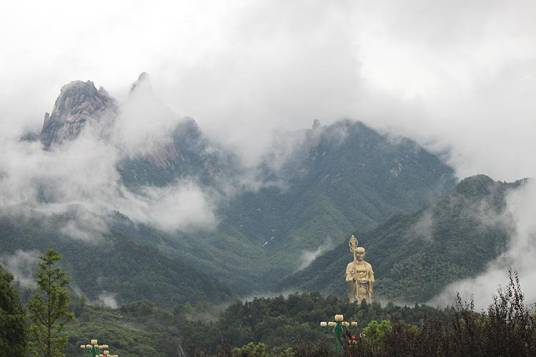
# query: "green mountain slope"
{"type": "Point", "coordinates": [344, 176]}
{"type": "Point", "coordinates": [129, 262]}
{"type": "Point", "coordinates": [416, 255]}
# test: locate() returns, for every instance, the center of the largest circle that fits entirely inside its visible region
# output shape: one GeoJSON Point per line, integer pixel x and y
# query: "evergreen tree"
{"type": "Point", "coordinates": [49, 308]}
{"type": "Point", "coordinates": [12, 319]}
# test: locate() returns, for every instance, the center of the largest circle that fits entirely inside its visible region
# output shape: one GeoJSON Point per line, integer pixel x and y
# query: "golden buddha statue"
{"type": "Point", "coordinates": [359, 275]}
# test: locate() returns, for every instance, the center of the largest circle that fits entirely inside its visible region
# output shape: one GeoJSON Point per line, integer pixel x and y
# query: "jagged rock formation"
{"type": "Point", "coordinates": [188, 154]}
{"type": "Point", "coordinates": [142, 82]}
{"type": "Point", "coordinates": [185, 153]}
{"type": "Point", "coordinates": [79, 103]}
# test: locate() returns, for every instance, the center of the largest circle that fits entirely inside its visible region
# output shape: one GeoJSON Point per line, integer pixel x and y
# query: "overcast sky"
{"type": "Point", "coordinates": [452, 74]}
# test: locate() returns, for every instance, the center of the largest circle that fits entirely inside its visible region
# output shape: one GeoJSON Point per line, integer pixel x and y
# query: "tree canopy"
{"type": "Point", "coordinates": [49, 308]}
{"type": "Point", "coordinates": [12, 318]}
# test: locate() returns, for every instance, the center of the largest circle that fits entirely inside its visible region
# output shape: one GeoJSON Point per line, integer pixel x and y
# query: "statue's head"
{"type": "Point", "coordinates": [360, 253]}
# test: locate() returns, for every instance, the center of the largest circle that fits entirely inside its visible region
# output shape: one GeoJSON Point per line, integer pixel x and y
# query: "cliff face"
{"type": "Point", "coordinates": [78, 104]}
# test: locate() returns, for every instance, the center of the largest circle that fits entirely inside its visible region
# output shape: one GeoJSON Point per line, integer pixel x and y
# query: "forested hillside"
{"type": "Point", "coordinates": [343, 177]}
{"type": "Point", "coordinates": [290, 326]}
{"type": "Point", "coordinates": [279, 322]}
{"type": "Point", "coordinates": [416, 255]}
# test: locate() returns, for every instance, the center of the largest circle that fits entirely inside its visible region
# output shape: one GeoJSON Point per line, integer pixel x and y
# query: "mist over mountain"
{"type": "Point", "coordinates": [184, 218]}
{"type": "Point", "coordinates": [200, 167]}
{"type": "Point", "coordinates": [339, 177]}
{"type": "Point", "coordinates": [415, 256]}
{"type": "Point", "coordinates": [191, 204]}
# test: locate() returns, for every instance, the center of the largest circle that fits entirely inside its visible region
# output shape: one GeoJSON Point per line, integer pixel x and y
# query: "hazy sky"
{"type": "Point", "coordinates": [458, 74]}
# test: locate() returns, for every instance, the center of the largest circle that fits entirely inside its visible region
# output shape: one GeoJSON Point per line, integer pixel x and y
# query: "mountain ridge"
{"type": "Point", "coordinates": [416, 255]}
{"type": "Point", "coordinates": [338, 177]}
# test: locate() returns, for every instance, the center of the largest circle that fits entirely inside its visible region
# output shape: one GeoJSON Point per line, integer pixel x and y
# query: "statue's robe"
{"type": "Point", "coordinates": [360, 278]}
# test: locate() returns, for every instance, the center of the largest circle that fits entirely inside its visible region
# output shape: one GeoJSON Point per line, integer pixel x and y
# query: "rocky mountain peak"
{"type": "Point", "coordinates": [476, 186]}
{"type": "Point", "coordinates": [78, 103]}
{"type": "Point", "coordinates": [80, 100]}
{"type": "Point", "coordinates": [142, 84]}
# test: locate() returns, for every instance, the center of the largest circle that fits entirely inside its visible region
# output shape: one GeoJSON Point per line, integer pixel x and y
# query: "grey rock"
{"type": "Point", "coordinates": [78, 104]}
{"type": "Point", "coordinates": [142, 83]}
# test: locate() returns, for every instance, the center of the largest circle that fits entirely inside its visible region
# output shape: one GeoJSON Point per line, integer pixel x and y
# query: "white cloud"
{"type": "Point", "coordinates": [423, 228]}
{"type": "Point", "coordinates": [81, 177]}
{"type": "Point", "coordinates": [182, 206]}
{"type": "Point", "coordinates": [451, 74]}
{"type": "Point", "coordinates": [107, 299]}
{"type": "Point", "coordinates": [22, 265]}
{"type": "Point", "coordinates": [144, 124]}
{"type": "Point", "coordinates": [519, 255]}
{"type": "Point", "coordinates": [309, 256]}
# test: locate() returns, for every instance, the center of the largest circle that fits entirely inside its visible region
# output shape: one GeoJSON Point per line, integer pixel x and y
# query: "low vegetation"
{"type": "Point", "coordinates": [290, 327]}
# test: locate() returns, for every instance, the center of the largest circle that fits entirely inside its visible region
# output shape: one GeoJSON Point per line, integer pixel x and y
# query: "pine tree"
{"type": "Point", "coordinates": [49, 308]}
{"type": "Point", "coordinates": [12, 318]}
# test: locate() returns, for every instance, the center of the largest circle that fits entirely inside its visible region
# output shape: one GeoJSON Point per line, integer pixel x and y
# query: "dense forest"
{"type": "Point", "coordinates": [291, 327]}
{"type": "Point", "coordinates": [272, 326]}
